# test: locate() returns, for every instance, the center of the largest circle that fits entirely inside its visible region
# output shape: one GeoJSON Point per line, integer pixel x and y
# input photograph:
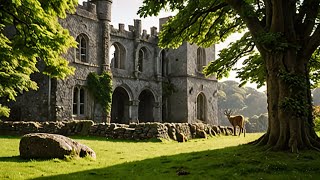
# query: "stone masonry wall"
{"type": "Point", "coordinates": [141, 131]}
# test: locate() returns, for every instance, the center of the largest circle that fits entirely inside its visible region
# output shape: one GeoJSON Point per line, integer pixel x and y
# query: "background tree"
{"type": "Point", "coordinates": [286, 34]}
{"type": "Point", "coordinates": [257, 123]}
{"type": "Point", "coordinates": [29, 33]}
{"type": "Point", "coordinates": [316, 96]}
{"type": "Point", "coordinates": [246, 101]}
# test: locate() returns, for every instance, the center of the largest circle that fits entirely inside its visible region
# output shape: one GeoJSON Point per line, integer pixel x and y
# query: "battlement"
{"type": "Point", "coordinates": [95, 9]}
{"type": "Point", "coordinates": [88, 6]}
{"type": "Point", "coordinates": [101, 10]}
{"type": "Point", "coordinates": [134, 32]}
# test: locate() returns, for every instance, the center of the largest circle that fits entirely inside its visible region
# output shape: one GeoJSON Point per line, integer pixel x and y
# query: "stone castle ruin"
{"type": "Point", "coordinates": [150, 84]}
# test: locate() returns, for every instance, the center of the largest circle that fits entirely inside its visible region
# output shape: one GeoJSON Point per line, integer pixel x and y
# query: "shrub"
{"type": "Point", "coordinates": [316, 114]}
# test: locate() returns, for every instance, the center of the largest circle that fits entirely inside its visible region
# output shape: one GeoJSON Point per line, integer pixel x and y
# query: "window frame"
{"type": "Point", "coordinates": [201, 59]}
{"type": "Point", "coordinates": [79, 101]}
{"type": "Point", "coordinates": [82, 49]}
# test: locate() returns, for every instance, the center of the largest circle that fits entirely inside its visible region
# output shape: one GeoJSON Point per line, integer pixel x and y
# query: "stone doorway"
{"type": "Point", "coordinates": [120, 106]}
{"type": "Point", "coordinates": [201, 107]}
{"type": "Point", "coordinates": [146, 106]}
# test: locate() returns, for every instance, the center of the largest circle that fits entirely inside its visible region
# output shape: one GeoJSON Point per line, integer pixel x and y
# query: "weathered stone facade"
{"type": "Point", "coordinates": [142, 74]}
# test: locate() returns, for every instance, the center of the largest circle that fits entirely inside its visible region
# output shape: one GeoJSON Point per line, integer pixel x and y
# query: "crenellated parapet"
{"type": "Point", "coordinates": [95, 9]}
{"type": "Point", "coordinates": [87, 10]}
{"type": "Point", "coordinates": [135, 32]}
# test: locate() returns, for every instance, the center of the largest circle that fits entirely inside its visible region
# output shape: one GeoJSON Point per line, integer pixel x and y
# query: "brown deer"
{"type": "Point", "coordinates": [236, 121]}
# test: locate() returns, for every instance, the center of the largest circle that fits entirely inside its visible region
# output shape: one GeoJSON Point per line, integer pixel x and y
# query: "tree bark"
{"type": "Point", "coordinates": [289, 103]}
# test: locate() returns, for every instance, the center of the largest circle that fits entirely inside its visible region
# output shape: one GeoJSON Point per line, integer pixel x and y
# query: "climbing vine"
{"type": "Point", "coordinates": [100, 87]}
{"type": "Point", "coordinates": [296, 103]}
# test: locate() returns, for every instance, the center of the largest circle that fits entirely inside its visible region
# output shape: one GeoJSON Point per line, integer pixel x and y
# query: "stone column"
{"type": "Point", "coordinates": [104, 15]}
{"type": "Point", "coordinates": [134, 110]}
{"type": "Point", "coordinates": [157, 113]}
{"type": "Point", "coordinates": [105, 45]}
{"type": "Point", "coordinates": [157, 56]}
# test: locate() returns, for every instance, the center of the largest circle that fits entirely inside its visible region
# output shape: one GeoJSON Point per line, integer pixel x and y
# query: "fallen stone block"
{"type": "Point", "coordinates": [48, 146]}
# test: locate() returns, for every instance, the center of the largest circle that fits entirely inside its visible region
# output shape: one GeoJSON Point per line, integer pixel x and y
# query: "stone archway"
{"type": "Point", "coordinates": [146, 106]}
{"type": "Point", "coordinates": [120, 106]}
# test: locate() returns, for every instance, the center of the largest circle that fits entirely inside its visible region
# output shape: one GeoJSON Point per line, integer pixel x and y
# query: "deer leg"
{"type": "Point", "coordinates": [234, 130]}
{"type": "Point", "coordinates": [240, 130]}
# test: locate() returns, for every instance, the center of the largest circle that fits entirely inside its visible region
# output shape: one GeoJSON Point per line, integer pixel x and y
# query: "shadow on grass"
{"type": "Point", "coordinates": [95, 138]}
{"type": "Point", "coordinates": [19, 159]}
{"type": "Point", "coordinates": [241, 162]}
{"type": "Point", "coordinates": [13, 159]}
{"type": "Point", "coordinates": [10, 137]}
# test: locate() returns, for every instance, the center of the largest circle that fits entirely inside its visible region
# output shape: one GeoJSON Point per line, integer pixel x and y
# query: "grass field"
{"type": "Point", "coordinates": [215, 158]}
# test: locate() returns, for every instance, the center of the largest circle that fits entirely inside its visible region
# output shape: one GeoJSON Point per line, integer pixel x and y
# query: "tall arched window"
{"type": "Point", "coordinates": [140, 60]}
{"type": "Point", "coordinates": [79, 97]}
{"type": "Point", "coordinates": [118, 56]}
{"type": "Point", "coordinates": [164, 64]}
{"type": "Point", "coordinates": [201, 107]}
{"type": "Point", "coordinates": [201, 59]}
{"type": "Point", "coordinates": [142, 57]}
{"type": "Point", "coordinates": [82, 48]}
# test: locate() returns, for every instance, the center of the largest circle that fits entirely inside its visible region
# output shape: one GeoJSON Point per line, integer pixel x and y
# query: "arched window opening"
{"type": "Point", "coordinates": [75, 101]}
{"type": "Point", "coordinates": [82, 48]}
{"type": "Point", "coordinates": [141, 59]}
{"type": "Point", "coordinates": [79, 97]}
{"type": "Point", "coordinates": [164, 64]}
{"type": "Point", "coordinates": [117, 56]}
{"type": "Point", "coordinates": [81, 102]}
{"type": "Point", "coordinates": [201, 59]}
{"type": "Point", "coordinates": [201, 107]}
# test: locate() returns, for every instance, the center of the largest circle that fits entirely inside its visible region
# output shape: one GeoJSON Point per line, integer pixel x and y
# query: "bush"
{"type": "Point", "coordinates": [317, 124]}
{"type": "Point", "coordinates": [316, 114]}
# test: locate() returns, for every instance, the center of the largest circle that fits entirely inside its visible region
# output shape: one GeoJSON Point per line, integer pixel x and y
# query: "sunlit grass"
{"type": "Point", "coordinates": [214, 158]}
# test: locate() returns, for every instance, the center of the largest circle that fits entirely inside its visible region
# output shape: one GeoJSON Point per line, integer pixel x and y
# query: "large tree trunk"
{"type": "Point", "coordinates": [289, 104]}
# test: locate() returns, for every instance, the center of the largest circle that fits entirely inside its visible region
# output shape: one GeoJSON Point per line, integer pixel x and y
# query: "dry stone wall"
{"type": "Point", "coordinates": [133, 131]}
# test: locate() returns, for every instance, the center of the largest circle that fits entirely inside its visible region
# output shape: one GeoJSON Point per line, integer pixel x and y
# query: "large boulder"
{"type": "Point", "coordinates": [48, 146]}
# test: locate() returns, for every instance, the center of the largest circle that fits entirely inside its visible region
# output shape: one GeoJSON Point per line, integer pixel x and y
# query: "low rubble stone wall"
{"type": "Point", "coordinates": [133, 131]}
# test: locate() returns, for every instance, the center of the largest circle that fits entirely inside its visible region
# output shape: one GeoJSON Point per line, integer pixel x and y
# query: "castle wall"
{"type": "Point", "coordinates": [177, 61]}
{"type": "Point", "coordinates": [207, 87]}
{"type": "Point", "coordinates": [178, 101]}
{"type": "Point", "coordinates": [191, 59]}
{"type": "Point", "coordinates": [35, 104]}
{"type": "Point", "coordinates": [83, 22]}
{"type": "Point", "coordinates": [142, 88]}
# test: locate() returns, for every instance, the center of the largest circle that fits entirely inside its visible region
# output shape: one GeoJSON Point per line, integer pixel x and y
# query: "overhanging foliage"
{"type": "Point", "coordinates": [29, 33]}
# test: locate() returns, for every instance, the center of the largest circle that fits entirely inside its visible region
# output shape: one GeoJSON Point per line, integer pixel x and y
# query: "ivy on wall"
{"type": "Point", "coordinates": [100, 87]}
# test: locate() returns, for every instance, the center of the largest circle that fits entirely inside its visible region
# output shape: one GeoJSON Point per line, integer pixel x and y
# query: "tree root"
{"type": "Point", "coordinates": [256, 141]}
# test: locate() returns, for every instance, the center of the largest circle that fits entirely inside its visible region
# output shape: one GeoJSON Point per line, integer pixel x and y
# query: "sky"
{"type": "Point", "coordinates": [125, 11]}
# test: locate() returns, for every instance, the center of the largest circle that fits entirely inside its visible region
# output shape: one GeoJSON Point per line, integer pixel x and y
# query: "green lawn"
{"type": "Point", "coordinates": [215, 158]}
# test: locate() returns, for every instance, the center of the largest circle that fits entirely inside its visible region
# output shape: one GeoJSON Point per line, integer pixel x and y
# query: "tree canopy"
{"type": "Point", "coordinates": [280, 41]}
{"type": "Point", "coordinates": [29, 33]}
{"type": "Point", "coordinates": [209, 22]}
